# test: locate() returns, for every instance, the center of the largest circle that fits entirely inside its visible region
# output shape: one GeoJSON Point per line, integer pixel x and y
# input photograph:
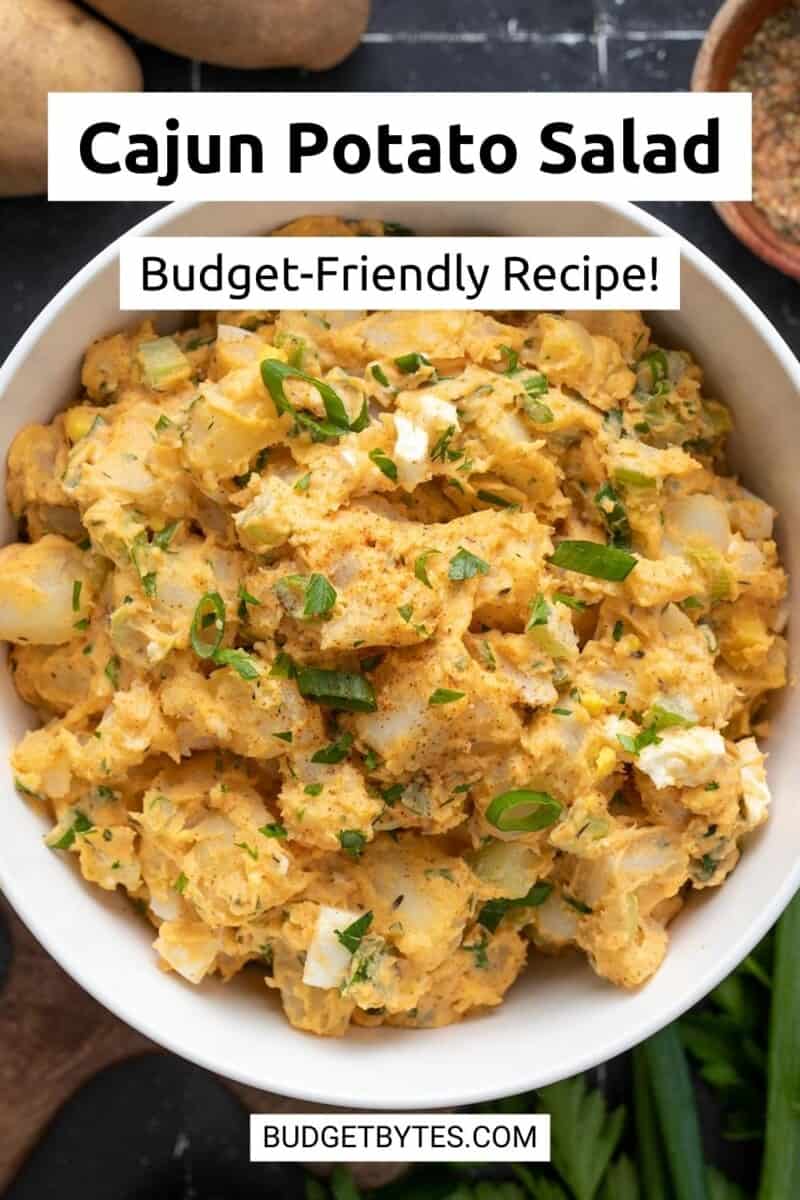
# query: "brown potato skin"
{"type": "Point", "coordinates": [316, 34]}
{"type": "Point", "coordinates": [50, 46]}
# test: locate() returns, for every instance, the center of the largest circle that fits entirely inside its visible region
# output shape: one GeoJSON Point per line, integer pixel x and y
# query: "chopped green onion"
{"type": "Point", "coordinates": [421, 566]}
{"type": "Point", "coordinates": [336, 751]}
{"type": "Point", "coordinates": [163, 423]}
{"type": "Point", "coordinates": [406, 611]}
{"type": "Point", "coordinates": [441, 447]}
{"type": "Point", "coordinates": [666, 718]}
{"type": "Point", "coordinates": [493, 498]}
{"type": "Point", "coordinates": [240, 661]}
{"type": "Point", "coordinates": [393, 793]}
{"type": "Point", "coordinates": [273, 830]}
{"type": "Point", "coordinates": [283, 667]}
{"type": "Point", "coordinates": [164, 536]}
{"type": "Point", "coordinates": [493, 911]}
{"type": "Point", "coordinates": [112, 670]}
{"type": "Point", "coordinates": [80, 824]}
{"type": "Point", "coordinates": [286, 736]}
{"type": "Point", "coordinates": [536, 385]}
{"type": "Point", "coordinates": [409, 363]}
{"type": "Point", "coordinates": [352, 842]}
{"type": "Point", "coordinates": [618, 630]}
{"type": "Point", "coordinates": [539, 612]}
{"type": "Point", "coordinates": [244, 599]}
{"type": "Point", "coordinates": [465, 565]}
{"type": "Point", "coordinates": [337, 689]}
{"type": "Point", "coordinates": [313, 789]}
{"type": "Point", "coordinates": [615, 516]}
{"type": "Point", "coordinates": [385, 464]}
{"type": "Point", "coordinates": [302, 484]}
{"type": "Point", "coordinates": [210, 605]}
{"type": "Point", "coordinates": [379, 375]}
{"type": "Point", "coordinates": [633, 479]}
{"type": "Point", "coordinates": [523, 810]}
{"type": "Point", "coordinates": [76, 595]}
{"type": "Point", "coordinates": [320, 597]}
{"type": "Point", "coordinates": [352, 935]}
{"type": "Point", "coordinates": [633, 745]}
{"type": "Point", "coordinates": [180, 884]}
{"type": "Point", "coordinates": [593, 558]}
{"type": "Point", "coordinates": [569, 601]}
{"type": "Point", "coordinates": [274, 372]}
{"type": "Point", "coordinates": [512, 359]}
{"type": "Point", "coordinates": [445, 696]}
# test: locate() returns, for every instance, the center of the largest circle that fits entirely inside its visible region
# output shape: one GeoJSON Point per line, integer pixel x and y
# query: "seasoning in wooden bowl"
{"type": "Point", "coordinates": [770, 68]}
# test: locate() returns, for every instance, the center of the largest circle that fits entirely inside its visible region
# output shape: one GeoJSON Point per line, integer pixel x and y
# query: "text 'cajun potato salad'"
{"type": "Point", "coordinates": [378, 650]}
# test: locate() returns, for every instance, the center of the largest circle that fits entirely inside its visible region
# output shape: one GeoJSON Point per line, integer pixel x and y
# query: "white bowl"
{"type": "Point", "coordinates": [559, 1018]}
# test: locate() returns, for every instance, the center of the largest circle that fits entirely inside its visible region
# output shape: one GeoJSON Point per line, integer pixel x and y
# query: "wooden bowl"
{"type": "Point", "coordinates": [731, 30]}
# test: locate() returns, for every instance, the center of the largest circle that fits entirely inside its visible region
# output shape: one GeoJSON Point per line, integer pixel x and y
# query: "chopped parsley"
{"type": "Point", "coordinates": [351, 937]}
{"type": "Point", "coordinates": [466, 565]}
{"type": "Point", "coordinates": [273, 830]}
{"type": "Point", "coordinates": [352, 842]}
{"type": "Point", "coordinates": [336, 752]}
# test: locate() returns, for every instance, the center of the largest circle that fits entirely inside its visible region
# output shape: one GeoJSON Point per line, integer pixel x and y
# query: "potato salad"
{"type": "Point", "coordinates": [383, 651]}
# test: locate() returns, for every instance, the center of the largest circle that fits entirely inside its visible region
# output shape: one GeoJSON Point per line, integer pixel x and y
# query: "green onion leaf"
{"type": "Point", "coordinates": [615, 515]}
{"type": "Point", "coordinates": [352, 842]}
{"type": "Point", "coordinates": [627, 477]}
{"type": "Point", "coordinates": [112, 670]}
{"type": "Point", "coordinates": [379, 375]}
{"type": "Point", "coordinates": [164, 536]}
{"type": "Point", "coordinates": [274, 372]}
{"type": "Point", "coordinates": [539, 612]}
{"type": "Point", "coordinates": [337, 689]}
{"type": "Point", "coordinates": [536, 385]}
{"type": "Point", "coordinates": [666, 718]}
{"type": "Point", "coordinates": [336, 751]}
{"type": "Point", "coordinates": [385, 464]}
{"type": "Point", "coordinates": [493, 498]}
{"type": "Point", "coordinates": [421, 564]}
{"type": "Point", "coordinates": [352, 935]}
{"type": "Point", "coordinates": [244, 599]}
{"type": "Point", "coordinates": [569, 601]}
{"type": "Point", "coordinates": [512, 359]}
{"type": "Point", "coordinates": [465, 565]}
{"type": "Point", "coordinates": [210, 605]}
{"type": "Point", "coordinates": [595, 559]}
{"type": "Point", "coordinates": [240, 661]}
{"type": "Point", "coordinates": [273, 830]}
{"type": "Point", "coordinates": [320, 597]}
{"type": "Point", "coordinates": [493, 911]}
{"type": "Point", "coordinates": [409, 363]}
{"type": "Point", "coordinates": [523, 810]}
{"type": "Point", "coordinates": [76, 595]}
{"type": "Point", "coordinates": [445, 696]}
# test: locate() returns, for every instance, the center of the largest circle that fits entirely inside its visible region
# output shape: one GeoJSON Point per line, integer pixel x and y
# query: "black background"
{"type": "Point", "coordinates": [156, 1127]}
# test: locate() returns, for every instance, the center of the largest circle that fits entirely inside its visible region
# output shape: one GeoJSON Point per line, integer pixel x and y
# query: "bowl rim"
{"type": "Point", "coordinates": [330, 1091]}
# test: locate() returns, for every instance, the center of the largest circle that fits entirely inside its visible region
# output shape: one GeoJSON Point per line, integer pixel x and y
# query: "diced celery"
{"type": "Point", "coordinates": [163, 362]}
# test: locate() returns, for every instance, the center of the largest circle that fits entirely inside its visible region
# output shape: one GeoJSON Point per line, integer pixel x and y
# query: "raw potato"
{"type": "Point", "coordinates": [316, 34]}
{"type": "Point", "coordinates": [50, 46]}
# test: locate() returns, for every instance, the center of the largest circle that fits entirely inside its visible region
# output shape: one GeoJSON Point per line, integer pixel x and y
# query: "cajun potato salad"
{"type": "Point", "coordinates": [380, 651]}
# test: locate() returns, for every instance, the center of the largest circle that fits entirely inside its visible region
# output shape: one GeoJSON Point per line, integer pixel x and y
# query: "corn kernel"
{"type": "Point", "coordinates": [78, 421]}
{"type": "Point", "coordinates": [593, 702]}
{"type": "Point", "coordinates": [605, 762]}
